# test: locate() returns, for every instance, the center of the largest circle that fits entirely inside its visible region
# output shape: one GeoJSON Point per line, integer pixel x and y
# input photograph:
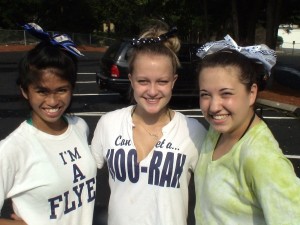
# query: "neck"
{"type": "Point", "coordinates": [241, 132]}
{"type": "Point", "coordinates": [161, 117]}
{"type": "Point", "coordinates": [227, 140]}
{"type": "Point", "coordinates": [56, 128]}
{"type": "Point", "coordinates": [248, 126]}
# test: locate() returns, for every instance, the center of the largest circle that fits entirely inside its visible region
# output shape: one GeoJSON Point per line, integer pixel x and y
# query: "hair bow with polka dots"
{"type": "Point", "coordinates": [259, 53]}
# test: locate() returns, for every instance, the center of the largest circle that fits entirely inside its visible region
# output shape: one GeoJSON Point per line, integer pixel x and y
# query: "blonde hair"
{"type": "Point", "coordinates": [168, 47]}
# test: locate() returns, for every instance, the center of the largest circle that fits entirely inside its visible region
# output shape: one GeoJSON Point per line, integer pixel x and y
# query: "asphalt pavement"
{"type": "Point", "coordinates": [288, 61]}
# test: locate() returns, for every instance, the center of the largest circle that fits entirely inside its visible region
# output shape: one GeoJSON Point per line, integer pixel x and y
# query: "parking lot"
{"type": "Point", "coordinates": [90, 103]}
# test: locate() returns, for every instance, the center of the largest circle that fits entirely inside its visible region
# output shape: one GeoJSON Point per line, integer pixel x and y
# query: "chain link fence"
{"type": "Point", "coordinates": [21, 37]}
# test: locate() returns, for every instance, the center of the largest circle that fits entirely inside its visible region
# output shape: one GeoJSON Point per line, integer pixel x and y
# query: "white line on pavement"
{"type": "Point", "coordinates": [89, 113]}
{"type": "Point", "coordinates": [95, 94]}
{"type": "Point", "coordinates": [85, 82]}
{"type": "Point", "coordinates": [188, 115]}
{"type": "Point", "coordinates": [188, 110]}
{"type": "Point", "coordinates": [280, 118]}
{"type": "Point", "coordinates": [102, 113]}
{"type": "Point", "coordinates": [293, 156]}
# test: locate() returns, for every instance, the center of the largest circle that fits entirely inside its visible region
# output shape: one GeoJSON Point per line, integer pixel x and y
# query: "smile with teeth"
{"type": "Point", "coordinates": [219, 117]}
{"type": "Point", "coordinates": [52, 110]}
{"type": "Point", "coordinates": [151, 99]}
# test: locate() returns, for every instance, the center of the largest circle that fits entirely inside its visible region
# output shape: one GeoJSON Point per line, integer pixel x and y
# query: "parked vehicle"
{"type": "Point", "coordinates": [113, 74]}
{"type": "Point", "coordinates": [287, 74]}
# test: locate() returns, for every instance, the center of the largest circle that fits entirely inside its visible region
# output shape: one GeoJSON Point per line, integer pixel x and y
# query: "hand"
{"type": "Point", "coordinates": [15, 220]}
{"type": "Point", "coordinates": [15, 217]}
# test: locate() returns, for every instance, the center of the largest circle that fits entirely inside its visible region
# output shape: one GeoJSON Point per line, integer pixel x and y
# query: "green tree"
{"type": "Point", "coordinates": [197, 20]}
{"type": "Point", "coordinates": [240, 18]}
{"type": "Point", "coordinates": [14, 12]}
{"type": "Point", "coordinates": [69, 15]}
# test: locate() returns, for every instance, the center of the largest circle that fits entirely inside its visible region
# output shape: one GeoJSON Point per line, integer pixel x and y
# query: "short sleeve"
{"type": "Point", "coordinates": [97, 143]}
{"type": "Point", "coordinates": [197, 132]}
{"type": "Point", "coordinates": [7, 170]}
{"type": "Point", "coordinates": [80, 124]}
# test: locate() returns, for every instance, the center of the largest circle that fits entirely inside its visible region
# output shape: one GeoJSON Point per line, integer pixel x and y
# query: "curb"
{"type": "Point", "coordinates": [282, 106]}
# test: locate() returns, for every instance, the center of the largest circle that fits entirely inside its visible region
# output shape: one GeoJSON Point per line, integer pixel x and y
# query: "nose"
{"type": "Point", "coordinates": [215, 104]}
{"type": "Point", "coordinates": [152, 89]}
{"type": "Point", "coordinates": [52, 99]}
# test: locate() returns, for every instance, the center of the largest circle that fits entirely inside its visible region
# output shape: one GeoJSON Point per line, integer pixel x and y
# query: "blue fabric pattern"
{"type": "Point", "coordinates": [60, 40]}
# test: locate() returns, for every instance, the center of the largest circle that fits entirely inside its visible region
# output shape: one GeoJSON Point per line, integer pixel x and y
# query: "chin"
{"type": "Point", "coordinates": [218, 128]}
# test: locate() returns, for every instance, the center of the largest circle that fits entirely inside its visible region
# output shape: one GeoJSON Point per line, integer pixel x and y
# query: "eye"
{"type": "Point", "coordinates": [227, 94]}
{"type": "Point", "coordinates": [41, 91]}
{"type": "Point", "coordinates": [203, 94]}
{"type": "Point", "coordinates": [163, 82]}
{"type": "Point", "coordinates": [142, 82]}
{"type": "Point", "coordinates": [62, 90]}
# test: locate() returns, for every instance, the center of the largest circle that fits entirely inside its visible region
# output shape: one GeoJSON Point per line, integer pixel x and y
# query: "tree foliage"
{"type": "Point", "coordinates": [197, 20]}
{"type": "Point", "coordinates": [16, 11]}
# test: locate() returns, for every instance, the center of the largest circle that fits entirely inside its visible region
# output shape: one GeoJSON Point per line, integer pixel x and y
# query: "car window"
{"type": "Point", "coordinates": [112, 51]}
{"type": "Point", "coordinates": [127, 54]}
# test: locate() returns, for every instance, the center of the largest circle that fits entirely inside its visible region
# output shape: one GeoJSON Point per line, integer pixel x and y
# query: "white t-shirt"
{"type": "Point", "coordinates": [154, 191]}
{"type": "Point", "coordinates": [51, 179]}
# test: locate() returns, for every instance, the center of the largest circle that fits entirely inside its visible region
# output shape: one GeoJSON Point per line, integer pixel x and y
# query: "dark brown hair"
{"type": "Point", "coordinates": [46, 56]}
{"type": "Point", "coordinates": [250, 71]}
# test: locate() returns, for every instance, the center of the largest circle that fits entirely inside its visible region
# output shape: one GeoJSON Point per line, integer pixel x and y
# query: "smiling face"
{"type": "Point", "coordinates": [48, 99]}
{"type": "Point", "coordinates": [224, 100]}
{"type": "Point", "coordinates": [152, 81]}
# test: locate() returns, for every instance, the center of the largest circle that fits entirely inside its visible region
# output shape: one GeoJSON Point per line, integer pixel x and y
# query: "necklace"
{"type": "Point", "coordinates": [249, 124]}
{"type": "Point", "coordinates": [154, 135]}
{"type": "Point", "coordinates": [151, 134]}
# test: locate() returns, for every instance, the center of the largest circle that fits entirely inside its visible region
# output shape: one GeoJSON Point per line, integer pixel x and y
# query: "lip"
{"type": "Point", "coordinates": [152, 100]}
{"type": "Point", "coordinates": [219, 119]}
{"type": "Point", "coordinates": [53, 112]}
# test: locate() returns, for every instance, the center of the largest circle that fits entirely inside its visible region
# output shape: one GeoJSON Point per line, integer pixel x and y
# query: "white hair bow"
{"type": "Point", "coordinates": [260, 53]}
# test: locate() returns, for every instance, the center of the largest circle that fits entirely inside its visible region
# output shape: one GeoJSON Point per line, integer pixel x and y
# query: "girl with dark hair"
{"type": "Point", "coordinates": [45, 164]}
{"type": "Point", "coordinates": [242, 176]}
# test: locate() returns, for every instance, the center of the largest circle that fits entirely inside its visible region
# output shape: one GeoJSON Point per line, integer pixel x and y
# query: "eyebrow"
{"type": "Point", "coordinates": [42, 87]}
{"type": "Point", "coordinates": [222, 89]}
{"type": "Point", "coordinates": [226, 89]}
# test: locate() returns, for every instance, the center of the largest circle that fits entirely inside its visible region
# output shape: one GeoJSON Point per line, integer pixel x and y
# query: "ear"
{"type": "Point", "coordinates": [253, 94]}
{"type": "Point", "coordinates": [174, 80]}
{"type": "Point", "coordinates": [24, 93]}
{"type": "Point", "coordinates": [130, 78]}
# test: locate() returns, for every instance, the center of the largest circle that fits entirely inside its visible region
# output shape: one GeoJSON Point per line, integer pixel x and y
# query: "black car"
{"type": "Point", "coordinates": [113, 75]}
{"type": "Point", "coordinates": [287, 75]}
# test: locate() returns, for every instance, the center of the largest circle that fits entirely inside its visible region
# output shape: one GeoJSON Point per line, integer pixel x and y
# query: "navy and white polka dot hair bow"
{"type": "Point", "coordinates": [60, 40]}
{"type": "Point", "coordinates": [140, 41]}
{"type": "Point", "coordinates": [260, 53]}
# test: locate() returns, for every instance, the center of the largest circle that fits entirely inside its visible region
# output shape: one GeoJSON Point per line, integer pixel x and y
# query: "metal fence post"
{"type": "Point", "coordinates": [293, 47]}
{"type": "Point", "coordinates": [24, 37]}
